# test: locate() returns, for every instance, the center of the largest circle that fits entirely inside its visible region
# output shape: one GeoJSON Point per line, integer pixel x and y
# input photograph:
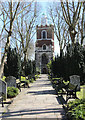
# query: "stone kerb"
{"type": "Point", "coordinates": [75, 80]}
{"type": "Point", "coordinates": [11, 81]}
{"type": "Point", "coordinates": [3, 89]}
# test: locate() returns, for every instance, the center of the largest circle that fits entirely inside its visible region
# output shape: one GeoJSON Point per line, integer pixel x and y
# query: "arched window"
{"type": "Point", "coordinates": [44, 47]}
{"type": "Point", "coordinates": [44, 59]}
{"type": "Point", "coordinates": [44, 34]}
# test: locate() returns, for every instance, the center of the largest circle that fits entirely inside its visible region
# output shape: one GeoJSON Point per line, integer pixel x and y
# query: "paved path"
{"type": "Point", "coordinates": [38, 101]}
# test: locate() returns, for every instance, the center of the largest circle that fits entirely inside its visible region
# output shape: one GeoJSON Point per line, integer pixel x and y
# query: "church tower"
{"type": "Point", "coordinates": [44, 46]}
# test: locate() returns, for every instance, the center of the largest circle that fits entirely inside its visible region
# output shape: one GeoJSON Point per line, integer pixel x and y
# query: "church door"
{"type": "Point", "coordinates": [44, 71]}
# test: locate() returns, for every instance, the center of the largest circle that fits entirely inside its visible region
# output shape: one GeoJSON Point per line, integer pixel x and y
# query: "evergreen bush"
{"type": "Point", "coordinates": [73, 62]}
{"type": "Point", "coordinates": [29, 68]}
{"type": "Point", "coordinates": [12, 92]}
{"type": "Point", "coordinates": [13, 64]}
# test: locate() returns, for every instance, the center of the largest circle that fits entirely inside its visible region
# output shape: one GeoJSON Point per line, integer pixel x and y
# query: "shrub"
{"type": "Point", "coordinates": [76, 109]}
{"type": "Point", "coordinates": [12, 92]}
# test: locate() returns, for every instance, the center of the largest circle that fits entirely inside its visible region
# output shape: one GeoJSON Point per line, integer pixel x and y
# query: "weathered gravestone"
{"type": "Point", "coordinates": [11, 81]}
{"type": "Point", "coordinates": [3, 89]}
{"type": "Point", "coordinates": [75, 80]}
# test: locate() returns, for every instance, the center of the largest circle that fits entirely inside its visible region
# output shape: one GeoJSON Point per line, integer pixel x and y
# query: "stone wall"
{"type": "Point", "coordinates": [39, 59]}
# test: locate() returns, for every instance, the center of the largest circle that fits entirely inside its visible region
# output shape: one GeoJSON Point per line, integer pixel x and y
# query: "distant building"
{"type": "Point", "coordinates": [44, 46]}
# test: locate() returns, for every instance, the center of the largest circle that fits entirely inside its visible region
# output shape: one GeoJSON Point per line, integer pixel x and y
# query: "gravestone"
{"type": "Point", "coordinates": [75, 80]}
{"type": "Point", "coordinates": [3, 89]}
{"type": "Point", "coordinates": [11, 81]}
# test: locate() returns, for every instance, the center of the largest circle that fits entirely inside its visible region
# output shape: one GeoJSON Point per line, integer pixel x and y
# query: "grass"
{"type": "Point", "coordinates": [23, 78]}
{"type": "Point", "coordinates": [3, 79]}
{"type": "Point", "coordinates": [81, 93]}
{"type": "Point", "coordinates": [55, 78]}
{"type": "Point", "coordinates": [66, 83]}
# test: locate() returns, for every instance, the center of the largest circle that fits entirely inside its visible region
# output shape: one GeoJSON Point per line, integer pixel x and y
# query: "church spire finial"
{"type": "Point", "coordinates": [44, 19]}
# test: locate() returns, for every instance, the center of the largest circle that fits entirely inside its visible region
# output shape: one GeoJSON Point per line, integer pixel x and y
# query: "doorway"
{"type": "Point", "coordinates": [44, 71]}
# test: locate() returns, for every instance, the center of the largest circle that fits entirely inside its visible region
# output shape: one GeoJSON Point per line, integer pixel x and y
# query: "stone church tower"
{"type": "Point", "coordinates": [44, 46]}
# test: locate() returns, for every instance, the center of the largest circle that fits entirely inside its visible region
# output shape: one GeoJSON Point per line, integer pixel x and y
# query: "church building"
{"type": "Point", "coordinates": [44, 46]}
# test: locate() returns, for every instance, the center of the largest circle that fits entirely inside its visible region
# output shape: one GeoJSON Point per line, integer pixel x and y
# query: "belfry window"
{"type": "Point", "coordinates": [44, 34]}
{"type": "Point", "coordinates": [44, 47]}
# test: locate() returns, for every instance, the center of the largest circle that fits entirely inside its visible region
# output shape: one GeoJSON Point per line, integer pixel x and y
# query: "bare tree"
{"type": "Point", "coordinates": [25, 30]}
{"type": "Point", "coordinates": [10, 10]}
{"type": "Point", "coordinates": [71, 12]}
{"type": "Point", "coordinates": [60, 27]}
{"type": "Point", "coordinates": [81, 26]}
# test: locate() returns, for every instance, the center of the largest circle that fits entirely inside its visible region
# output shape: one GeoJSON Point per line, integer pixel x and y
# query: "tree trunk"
{"type": "Point", "coordinates": [24, 63]}
{"type": "Point", "coordinates": [4, 56]}
{"type": "Point", "coordinates": [61, 53]}
{"type": "Point", "coordinates": [72, 35]}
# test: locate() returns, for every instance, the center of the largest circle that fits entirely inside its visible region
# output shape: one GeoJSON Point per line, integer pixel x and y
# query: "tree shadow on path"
{"type": "Point", "coordinates": [43, 92]}
{"type": "Point", "coordinates": [33, 112]}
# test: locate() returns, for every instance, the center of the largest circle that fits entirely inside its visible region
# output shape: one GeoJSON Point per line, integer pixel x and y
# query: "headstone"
{"type": "Point", "coordinates": [75, 80]}
{"type": "Point", "coordinates": [3, 89]}
{"type": "Point", "coordinates": [11, 81]}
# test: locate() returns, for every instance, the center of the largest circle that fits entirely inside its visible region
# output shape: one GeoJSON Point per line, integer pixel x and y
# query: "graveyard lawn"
{"type": "Point", "coordinates": [81, 93]}
{"type": "Point", "coordinates": [3, 79]}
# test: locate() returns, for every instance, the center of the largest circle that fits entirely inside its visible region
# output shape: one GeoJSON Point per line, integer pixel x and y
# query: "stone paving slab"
{"type": "Point", "coordinates": [38, 101]}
